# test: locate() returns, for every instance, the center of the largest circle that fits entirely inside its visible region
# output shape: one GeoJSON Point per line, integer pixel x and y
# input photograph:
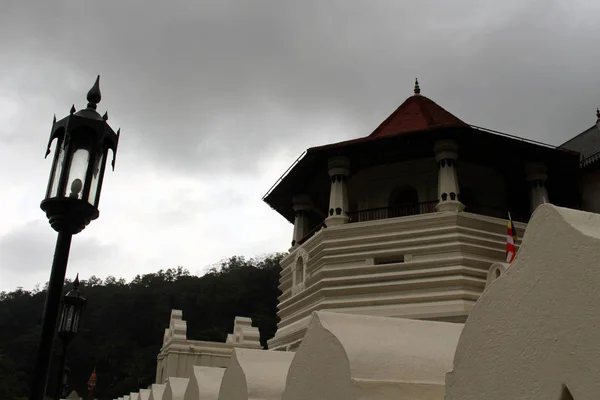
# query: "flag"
{"type": "Point", "coordinates": [511, 239]}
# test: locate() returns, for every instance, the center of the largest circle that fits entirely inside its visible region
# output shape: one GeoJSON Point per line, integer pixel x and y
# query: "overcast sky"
{"type": "Point", "coordinates": [215, 99]}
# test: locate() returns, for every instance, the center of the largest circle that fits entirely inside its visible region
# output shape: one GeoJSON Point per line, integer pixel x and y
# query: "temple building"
{"type": "Point", "coordinates": [406, 221]}
{"type": "Point", "coordinates": [396, 284]}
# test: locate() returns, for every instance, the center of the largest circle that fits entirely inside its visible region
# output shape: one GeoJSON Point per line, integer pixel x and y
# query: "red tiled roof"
{"type": "Point", "coordinates": [416, 113]}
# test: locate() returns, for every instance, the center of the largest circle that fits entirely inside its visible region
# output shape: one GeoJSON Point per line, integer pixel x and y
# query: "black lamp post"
{"type": "Point", "coordinates": [82, 142]}
{"type": "Point", "coordinates": [69, 318]}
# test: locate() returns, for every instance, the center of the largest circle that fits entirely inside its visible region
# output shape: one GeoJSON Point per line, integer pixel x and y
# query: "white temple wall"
{"type": "Point", "coordinates": [534, 332]}
{"type": "Point", "coordinates": [175, 388]}
{"type": "Point", "coordinates": [429, 266]}
{"type": "Point", "coordinates": [204, 383]}
{"type": "Point", "coordinates": [255, 375]}
{"type": "Point", "coordinates": [179, 355]}
{"type": "Point", "coordinates": [351, 357]}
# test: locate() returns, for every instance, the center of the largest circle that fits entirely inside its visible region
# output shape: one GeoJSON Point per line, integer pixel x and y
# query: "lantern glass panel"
{"type": "Point", "coordinates": [69, 318]}
{"type": "Point", "coordinates": [61, 318]}
{"type": "Point", "coordinates": [60, 161]}
{"type": "Point", "coordinates": [77, 171]}
{"type": "Point", "coordinates": [75, 325]}
{"type": "Point", "coordinates": [95, 180]}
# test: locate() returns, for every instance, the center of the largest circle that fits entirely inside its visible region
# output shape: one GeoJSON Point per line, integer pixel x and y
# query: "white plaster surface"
{"type": "Point", "coordinates": [345, 356]}
{"type": "Point", "coordinates": [175, 389]}
{"type": "Point", "coordinates": [157, 391]}
{"type": "Point", "coordinates": [496, 271]}
{"type": "Point", "coordinates": [255, 374]}
{"type": "Point", "coordinates": [144, 394]}
{"type": "Point", "coordinates": [205, 383]}
{"type": "Point", "coordinates": [534, 332]}
{"type": "Point", "coordinates": [134, 396]}
{"type": "Point", "coordinates": [429, 266]}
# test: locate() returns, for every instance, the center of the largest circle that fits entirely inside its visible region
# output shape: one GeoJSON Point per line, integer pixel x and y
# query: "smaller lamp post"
{"type": "Point", "coordinates": [69, 318]}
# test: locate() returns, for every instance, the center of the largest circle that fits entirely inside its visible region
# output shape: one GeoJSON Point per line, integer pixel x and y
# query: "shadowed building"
{"type": "Point", "coordinates": [406, 221]}
{"type": "Point", "coordinates": [410, 222]}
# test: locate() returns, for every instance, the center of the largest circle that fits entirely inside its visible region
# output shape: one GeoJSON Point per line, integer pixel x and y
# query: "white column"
{"type": "Point", "coordinates": [536, 175]}
{"type": "Point", "coordinates": [446, 153]}
{"type": "Point", "coordinates": [301, 208]}
{"type": "Point", "coordinates": [339, 169]}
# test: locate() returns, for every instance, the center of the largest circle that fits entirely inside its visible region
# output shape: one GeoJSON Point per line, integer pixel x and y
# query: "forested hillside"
{"type": "Point", "coordinates": [124, 322]}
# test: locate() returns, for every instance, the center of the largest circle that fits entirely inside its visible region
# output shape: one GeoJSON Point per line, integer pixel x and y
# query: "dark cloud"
{"type": "Point", "coordinates": [209, 85]}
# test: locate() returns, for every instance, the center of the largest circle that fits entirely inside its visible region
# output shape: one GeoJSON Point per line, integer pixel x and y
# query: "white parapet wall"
{"type": "Point", "coordinates": [156, 391]}
{"type": "Point", "coordinates": [345, 356]}
{"type": "Point", "coordinates": [244, 334]}
{"type": "Point", "coordinates": [178, 355]}
{"type": "Point", "coordinates": [134, 396]}
{"type": "Point", "coordinates": [534, 332]}
{"type": "Point", "coordinates": [496, 271]}
{"type": "Point", "coordinates": [430, 266]}
{"type": "Point", "coordinates": [175, 389]}
{"type": "Point", "coordinates": [205, 383]}
{"type": "Point", "coordinates": [144, 394]}
{"type": "Point", "coordinates": [256, 375]}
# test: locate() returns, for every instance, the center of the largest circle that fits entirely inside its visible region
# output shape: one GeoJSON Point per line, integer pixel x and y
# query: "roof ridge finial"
{"type": "Point", "coordinates": [94, 96]}
{"type": "Point", "coordinates": [417, 88]}
{"type": "Point", "coordinates": [76, 282]}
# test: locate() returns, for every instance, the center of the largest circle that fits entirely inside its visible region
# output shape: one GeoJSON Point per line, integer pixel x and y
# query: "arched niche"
{"type": "Point", "coordinates": [299, 271]}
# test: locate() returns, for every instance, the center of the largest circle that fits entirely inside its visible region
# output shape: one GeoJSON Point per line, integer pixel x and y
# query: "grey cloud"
{"type": "Point", "coordinates": [209, 86]}
{"type": "Point", "coordinates": [26, 251]}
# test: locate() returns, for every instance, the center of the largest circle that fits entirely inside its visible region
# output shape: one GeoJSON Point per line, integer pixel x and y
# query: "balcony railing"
{"type": "Point", "coordinates": [405, 210]}
{"type": "Point", "coordinates": [427, 207]}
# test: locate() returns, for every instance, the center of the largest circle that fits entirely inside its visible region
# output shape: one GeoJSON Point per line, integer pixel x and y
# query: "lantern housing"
{"type": "Point", "coordinates": [71, 311]}
{"type": "Point", "coordinates": [82, 142]}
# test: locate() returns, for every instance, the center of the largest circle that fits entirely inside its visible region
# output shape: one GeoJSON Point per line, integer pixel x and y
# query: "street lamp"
{"type": "Point", "coordinates": [71, 310]}
{"type": "Point", "coordinates": [83, 139]}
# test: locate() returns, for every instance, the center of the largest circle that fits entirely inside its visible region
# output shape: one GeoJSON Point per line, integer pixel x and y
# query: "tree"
{"type": "Point", "coordinates": [123, 325]}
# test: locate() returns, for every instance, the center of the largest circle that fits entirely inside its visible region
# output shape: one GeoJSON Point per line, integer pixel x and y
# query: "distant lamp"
{"type": "Point", "coordinates": [70, 314]}
{"type": "Point", "coordinates": [69, 319]}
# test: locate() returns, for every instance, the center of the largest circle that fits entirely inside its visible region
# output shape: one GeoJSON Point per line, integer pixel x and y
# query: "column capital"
{"type": "Point", "coordinates": [445, 149]}
{"type": "Point", "coordinates": [338, 165]}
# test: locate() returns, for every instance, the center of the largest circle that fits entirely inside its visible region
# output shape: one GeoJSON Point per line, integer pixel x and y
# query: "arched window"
{"type": "Point", "coordinates": [298, 278]}
{"type": "Point", "coordinates": [403, 201]}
